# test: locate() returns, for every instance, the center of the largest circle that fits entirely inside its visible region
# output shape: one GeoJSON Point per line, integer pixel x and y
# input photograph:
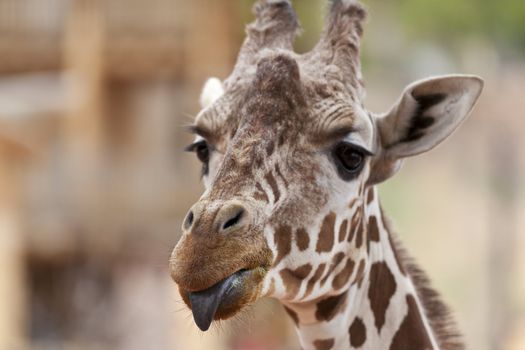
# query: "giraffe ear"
{"type": "Point", "coordinates": [426, 114]}
{"type": "Point", "coordinates": [211, 92]}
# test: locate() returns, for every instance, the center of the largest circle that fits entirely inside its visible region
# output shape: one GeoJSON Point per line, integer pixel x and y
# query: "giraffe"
{"type": "Point", "coordinates": [290, 163]}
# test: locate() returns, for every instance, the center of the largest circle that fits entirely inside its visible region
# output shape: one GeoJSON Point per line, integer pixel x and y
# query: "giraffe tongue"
{"type": "Point", "coordinates": [204, 304]}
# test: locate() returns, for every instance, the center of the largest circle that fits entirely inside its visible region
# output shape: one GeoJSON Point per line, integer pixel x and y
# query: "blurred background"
{"type": "Point", "coordinates": [94, 95]}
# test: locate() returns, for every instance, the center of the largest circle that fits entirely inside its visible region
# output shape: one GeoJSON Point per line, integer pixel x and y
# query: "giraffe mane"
{"type": "Point", "coordinates": [439, 316]}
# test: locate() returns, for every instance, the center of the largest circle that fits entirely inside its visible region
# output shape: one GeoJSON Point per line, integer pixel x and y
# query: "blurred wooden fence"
{"type": "Point", "coordinates": [92, 101]}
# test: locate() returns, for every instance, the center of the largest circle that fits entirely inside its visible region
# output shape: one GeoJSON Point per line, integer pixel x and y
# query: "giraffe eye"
{"type": "Point", "coordinates": [349, 160]}
{"type": "Point", "coordinates": [203, 151]}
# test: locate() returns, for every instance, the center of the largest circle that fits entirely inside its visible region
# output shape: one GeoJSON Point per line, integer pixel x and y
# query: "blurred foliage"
{"type": "Point", "coordinates": [450, 21]}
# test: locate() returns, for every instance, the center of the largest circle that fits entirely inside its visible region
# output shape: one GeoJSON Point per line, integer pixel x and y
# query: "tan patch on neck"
{"type": "Point", "coordinates": [370, 196]}
{"type": "Point", "coordinates": [412, 334]}
{"type": "Point", "coordinates": [311, 282]}
{"type": "Point", "coordinates": [292, 279]}
{"type": "Point", "coordinates": [357, 332]}
{"type": "Point", "coordinates": [328, 308]}
{"type": "Point", "coordinates": [373, 229]}
{"type": "Point", "coordinates": [344, 275]}
{"type": "Point", "coordinates": [335, 262]}
{"type": "Point", "coordinates": [324, 344]}
{"type": "Point", "coordinates": [354, 225]}
{"type": "Point", "coordinates": [382, 288]}
{"type": "Point", "coordinates": [302, 239]}
{"type": "Point", "coordinates": [273, 185]}
{"type": "Point", "coordinates": [360, 275]}
{"type": "Point", "coordinates": [283, 241]}
{"type": "Point", "coordinates": [326, 234]}
{"type": "Point", "coordinates": [343, 230]}
{"type": "Point", "coordinates": [360, 232]}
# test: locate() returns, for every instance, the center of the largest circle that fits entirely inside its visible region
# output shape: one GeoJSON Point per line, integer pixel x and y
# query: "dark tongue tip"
{"type": "Point", "coordinates": [203, 309]}
{"type": "Point", "coordinates": [204, 304]}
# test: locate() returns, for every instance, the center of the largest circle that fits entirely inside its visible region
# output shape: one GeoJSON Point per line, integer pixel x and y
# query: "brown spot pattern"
{"type": "Point", "coordinates": [335, 261]}
{"type": "Point", "coordinates": [326, 234]}
{"type": "Point", "coordinates": [357, 333]}
{"type": "Point", "coordinates": [292, 278]}
{"type": "Point", "coordinates": [317, 275]}
{"type": "Point", "coordinates": [344, 275]}
{"type": "Point", "coordinates": [354, 225]}
{"type": "Point", "coordinates": [370, 196]}
{"type": "Point", "coordinates": [328, 308]}
{"type": "Point", "coordinates": [359, 234]}
{"type": "Point", "coordinates": [382, 288]}
{"type": "Point", "coordinates": [359, 277]}
{"type": "Point", "coordinates": [273, 185]}
{"type": "Point", "coordinates": [412, 334]}
{"type": "Point", "coordinates": [260, 195]}
{"type": "Point", "coordinates": [324, 344]}
{"type": "Point", "coordinates": [342, 230]}
{"type": "Point", "coordinates": [302, 239]}
{"type": "Point", "coordinates": [373, 229]}
{"type": "Point", "coordinates": [302, 271]}
{"type": "Point", "coordinates": [283, 241]}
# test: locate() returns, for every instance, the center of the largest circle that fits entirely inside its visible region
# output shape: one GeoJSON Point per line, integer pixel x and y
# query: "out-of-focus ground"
{"type": "Point", "coordinates": [93, 183]}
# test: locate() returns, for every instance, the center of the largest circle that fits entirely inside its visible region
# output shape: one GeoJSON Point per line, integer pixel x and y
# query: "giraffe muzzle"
{"type": "Point", "coordinates": [222, 295]}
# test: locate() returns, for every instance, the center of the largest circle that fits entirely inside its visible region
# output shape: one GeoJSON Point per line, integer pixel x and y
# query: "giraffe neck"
{"type": "Point", "coordinates": [381, 311]}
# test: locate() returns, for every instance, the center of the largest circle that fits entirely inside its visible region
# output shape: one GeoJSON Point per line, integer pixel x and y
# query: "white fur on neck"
{"type": "Point", "coordinates": [358, 302]}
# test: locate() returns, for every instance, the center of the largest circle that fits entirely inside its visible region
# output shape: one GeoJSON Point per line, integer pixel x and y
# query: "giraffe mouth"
{"type": "Point", "coordinates": [225, 298]}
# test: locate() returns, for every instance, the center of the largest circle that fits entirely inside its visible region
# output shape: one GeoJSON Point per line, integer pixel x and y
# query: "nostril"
{"type": "Point", "coordinates": [189, 220]}
{"type": "Point", "coordinates": [234, 220]}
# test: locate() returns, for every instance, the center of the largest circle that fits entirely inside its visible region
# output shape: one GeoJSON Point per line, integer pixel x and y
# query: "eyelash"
{"type": "Point", "coordinates": [202, 149]}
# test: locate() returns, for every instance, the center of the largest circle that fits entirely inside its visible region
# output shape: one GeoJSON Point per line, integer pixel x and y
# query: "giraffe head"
{"type": "Point", "coordinates": [289, 153]}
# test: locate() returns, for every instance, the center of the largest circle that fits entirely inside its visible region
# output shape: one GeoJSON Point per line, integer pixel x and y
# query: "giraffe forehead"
{"type": "Point", "coordinates": [276, 121]}
{"type": "Point", "coordinates": [284, 95]}
{"type": "Point", "coordinates": [340, 117]}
